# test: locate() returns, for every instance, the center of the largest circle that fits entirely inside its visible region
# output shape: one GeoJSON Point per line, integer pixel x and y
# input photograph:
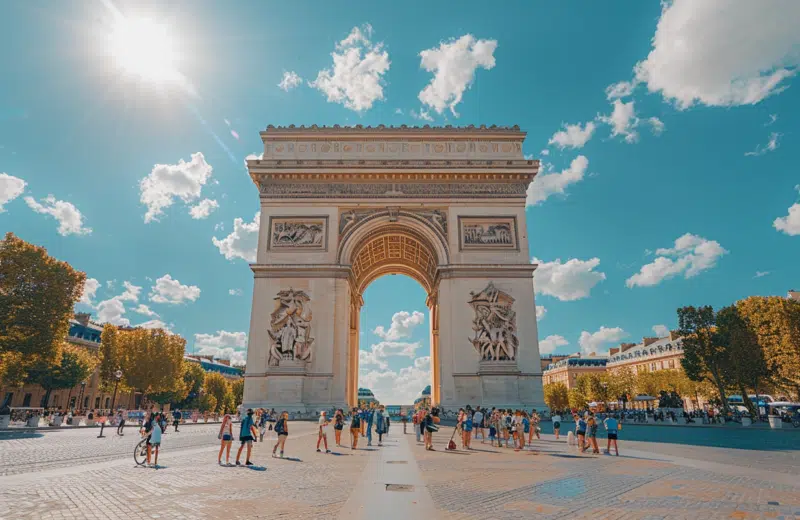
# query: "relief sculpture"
{"type": "Point", "coordinates": [494, 325]}
{"type": "Point", "coordinates": [293, 233]}
{"type": "Point", "coordinates": [290, 328]}
{"type": "Point", "coordinates": [488, 233]}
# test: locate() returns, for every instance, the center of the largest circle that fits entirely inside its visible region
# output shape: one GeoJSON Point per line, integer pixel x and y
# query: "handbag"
{"type": "Point", "coordinates": [432, 428]}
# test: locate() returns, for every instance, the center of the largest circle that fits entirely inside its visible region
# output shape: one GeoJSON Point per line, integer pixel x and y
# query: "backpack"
{"type": "Point", "coordinates": [279, 428]}
{"type": "Point", "coordinates": [356, 422]}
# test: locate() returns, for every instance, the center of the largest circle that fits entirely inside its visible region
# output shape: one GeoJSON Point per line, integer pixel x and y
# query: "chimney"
{"type": "Point", "coordinates": [226, 362]}
{"type": "Point", "coordinates": [613, 351]}
{"type": "Point", "coordinates": [626, 346]}
{"type": "Point", "coordinates": [673, 335]}
{"type": "Point", "coordinates": [83, 318]}
{"type": "Point", "coordinates": [649, 341]}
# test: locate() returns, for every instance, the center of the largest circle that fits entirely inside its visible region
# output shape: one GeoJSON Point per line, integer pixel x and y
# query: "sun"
{"type": "Point", "coordinates": [144, 48]}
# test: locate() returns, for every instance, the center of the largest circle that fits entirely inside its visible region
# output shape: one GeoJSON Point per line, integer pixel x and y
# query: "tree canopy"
{"type": "Point", "coordinates": [75, 365]}
{"type": "Point", "coordinates": [37, 296]}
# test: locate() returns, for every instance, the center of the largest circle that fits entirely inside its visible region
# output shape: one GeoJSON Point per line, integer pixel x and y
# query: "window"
{"type": "Point", "coordinates": [54, 400]}
{"type": "Point", "coordinates": [652, 367]}
{"type": "Point", "coordinates": [26, 401]}
{"type": "Point", "coordinates": [671, 363]}
{"type": "Point", "coordinates": [108, 403]}
{"type": "Point", "coordinates": [97, 402]}
{"type": "Point", "coordinates": [86, 402]}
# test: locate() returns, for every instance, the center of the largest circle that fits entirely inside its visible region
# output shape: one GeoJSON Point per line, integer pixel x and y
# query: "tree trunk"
{"type": "Point", "coordinates": [45, 398]}
{"type": "Point", "coordinates": [721, 389]}
{"type": "Point", "coordinates": [747, 402]}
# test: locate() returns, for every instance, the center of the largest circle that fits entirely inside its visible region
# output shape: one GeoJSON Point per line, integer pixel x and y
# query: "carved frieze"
{"type": "Point", "coordinates": [494, 325]}
{"type": "Point", "coordinates": [291, 190]}
{"type": "Point", "coordinates": [436, 217]}
{"type": "Point", "coordinates": [349, 218]}
{"type": "Point", "coordinates": [298, 232]}
{"type": "Point", "coordinates": [488, 233]}
{"type": "Point", "coordinates": [290, 329]}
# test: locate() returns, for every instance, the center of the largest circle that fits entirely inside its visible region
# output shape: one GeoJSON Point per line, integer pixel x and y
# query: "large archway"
{"type": "Point", "coordinates": [341, 207]}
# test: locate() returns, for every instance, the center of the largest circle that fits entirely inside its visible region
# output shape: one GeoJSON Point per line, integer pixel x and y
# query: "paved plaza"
{"type": "Point", "coordinates": [73, 474]}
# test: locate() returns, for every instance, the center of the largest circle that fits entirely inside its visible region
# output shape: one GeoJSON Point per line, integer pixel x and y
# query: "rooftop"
{"type": "Point", "coordinates": [579, 362]}
{"type": "Point", "coordinates": [659, 347]}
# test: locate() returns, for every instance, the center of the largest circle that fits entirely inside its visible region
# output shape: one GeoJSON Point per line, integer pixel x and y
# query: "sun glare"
{"type": "Point", "coordinates": [144, 48]}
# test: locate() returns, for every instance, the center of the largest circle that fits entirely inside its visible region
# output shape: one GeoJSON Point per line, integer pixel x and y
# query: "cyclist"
{"type": "Point", "coordinates": [152, 430]}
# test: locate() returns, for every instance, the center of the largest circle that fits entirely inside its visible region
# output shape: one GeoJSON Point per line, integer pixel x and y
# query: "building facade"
{"type": "Point", "coordinates": [568, 369]}
{"type": "Point", "coordinates": [650, 355]}
{"type": "Point", "coordinates": [220, 366]}
{"type": "Point", "coordinates": [88, 395]}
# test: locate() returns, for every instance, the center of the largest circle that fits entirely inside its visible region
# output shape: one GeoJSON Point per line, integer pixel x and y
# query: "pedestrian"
{"type": "Point", "coordinates": [591, 422]}
{"type": "Point", "coordinates": [323, 431]}
{"type": "Point", "coordinates": [612, 427]}
{"type": "Point", "coordinates": [152, 431]}
{"type": "Point", "coordinates": [493, 428]}
{"type": "Point", "coordinates": [338, 425]}
{"type": "Point", "coordinates": [380, 425]}
{"type": "Point", "coordinates": [388, 420]}
{"type": "Point", "coordinates": [556, 424]}
{"type": "Point", "coordinates": [226, 438]}
{"type": "Point", "coordinates": [370, 418]}
{"type": "Point", "coordinates": [404, 418]}
{"type": "Point", "coordinates": [247, 435]}
{"type": "Point", "coordinates": [363, 422]}
{"type": "Point", "coordinates": [430, 426]}
{"type": "Point", "coordinates": [526, 430]}
{"type": "Point", "coordinates": [516, 429]}
{"type": "Point", "coordinates": [477, 424]}
{"type": "Point", "coordinates": [263, 419]}
{"type": "Point", "coordinates": [282, 429]}
{"type": "Point", "coordinates": [415, 419]}
{"type": "Point", "coordinates": [120, 422]}
{"type": "Point", "coordinates": [355, 427]}
{"type": "Point", "coordinates": [535, 428]}
{"type": "Point", "coordinates": [466, 428]}
{"type": "Point", "coordinates": [580, 431]}
{"type": "Point", "coordinates": [176, 419]}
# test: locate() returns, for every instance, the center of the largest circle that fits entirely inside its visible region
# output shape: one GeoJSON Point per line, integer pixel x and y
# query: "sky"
{"type": "Point", "coordinates": [664, 132]}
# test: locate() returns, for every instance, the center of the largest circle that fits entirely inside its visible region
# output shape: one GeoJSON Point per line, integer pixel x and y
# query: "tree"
{"type": "Point", "coordinates": [208, 403]}
{"type": "Point", "coordinates": [75, 365]}
{"type": "Point", "coordinates": [193, 377]}
{"type": "Point", "coordinates": [704, 357]}
{"type": "Point", "coordinates": [37, 295]}
{"type": "Point", "coordinates": [151, 359]}
{"type": "Point", "coordinates": [237, 389]}
{"type": "Point", "coordinates": [577, 399]}
{"type": "Point", "coordinates": [556, 396]}
{"type": "Point", "coordinates": [775, 321]}
{"type": "Point", "coordinates": [216, 385]}
{"type": "Point", "coordinates": [110, 358]}
{"type": "Point", "coordinates": [746, 365]}
{"type": "Point", "coordinates": [622, 384]}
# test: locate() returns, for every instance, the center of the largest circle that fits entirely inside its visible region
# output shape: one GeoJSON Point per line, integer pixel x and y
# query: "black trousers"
{"type": "Point", "coordinates": [120, 427]}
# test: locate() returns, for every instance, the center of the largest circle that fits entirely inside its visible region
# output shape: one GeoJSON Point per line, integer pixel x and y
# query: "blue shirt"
{"type": "Point", "coordinates": [581, 425]}
{"type": "Point", "coordinates": [611, 424]}
{"type": "Point", "coordinates": [246, 423]}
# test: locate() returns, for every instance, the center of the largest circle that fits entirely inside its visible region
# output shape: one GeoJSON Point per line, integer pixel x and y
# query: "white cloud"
{"type": "Point", "coordinates": [131, 292]}
{"type": "Point", "coordinates": [569, 281]}
{"type": "Point", "coordinates": [544, 152]}
{"type": "Point", "coordinates": [223, 345]}
{"type": "Point", "coordinates": [722, 53]}
{"type": "Point", "coordinates": [403, 323]}
{"type": "Point", "coordinates": [661, 331]}
{"type": "Point", "coordinates": [545, 185]}
{"type": "Point", "coordinates": [593, 342]}
{"type": "Point", "coordinates": [90, 287]}
{"type": "Point", "coordinates": [398, 387]}
{"type": "Point", "coordinates": [620, 90]}
{"type": "Point", "coordinates": [356, 80]}
{"type": "Point", "coordinates": [541, 310]}
{"type": "Point", "coordinates": [423, 115]}
{"type": "Point", "coordinates": [690, 256]}
{"type": "Point", "coordinates": [166, 182]}
{"type": "Point", "coordinates": [168, 290]}
{"type": "Point", "coordinates": [657, 125]}
{"type": "Point", "coordinates": [145, 311]}
{"type": "Point", "coordinates": [790, 224]}
{"type": "Point", "coordinates": [253, 157]}
{"type": "Point", "coordinates": [203, 209]}
{"type": "Point", "coordinates": [623, 121]}
{"type": "Point", "coordinates": [573, 136]}
{"type": "Point", "coordinates": [549, 344]}
{"type": "Point", "coordinates": [771, 146]}
{"type": "Point", "coordinates": [235, 292]}
{"type": "Point", "coordinates": [111, 311]}
{"type": "Point", "coordinates": [772, 119]}
{"type": "Point", "coordinates": [153, 324]}
{"type": "Point", "coordinates": [10, 188]}
{"type": "Point", "coordinates": [398, 111]}
{"type": "Point", "coordinates": [453, 65]}
{"type": "Point", "coordinates": [760, 274]}
{"type": "Point", "coordinates": [289, 81]}
{"type": "Point", "coordinates": [242, 242]}
{"type": "Point", "coordinates": [70, 220]}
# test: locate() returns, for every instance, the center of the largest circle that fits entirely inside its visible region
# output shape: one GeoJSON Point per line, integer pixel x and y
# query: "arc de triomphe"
{"type": "Point", "coordinates": [343, 206]}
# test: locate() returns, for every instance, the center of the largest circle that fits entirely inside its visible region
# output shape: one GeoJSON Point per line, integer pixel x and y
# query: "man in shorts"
{"type": "Point", "coordinates": [247, 434]}
{"type": "Point", "coordinates": [612, 427]}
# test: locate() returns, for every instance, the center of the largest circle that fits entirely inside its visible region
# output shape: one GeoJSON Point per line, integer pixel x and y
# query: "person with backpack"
{"type": "Point", "coordinates": [338, 425]}
{"type": "Point", "coordinates": [282, 431]}
{"type": "Point", "coordinates": [247, 435]}
{"type": "Point", "coordinates": [176, 419]}
{"type": "Point", "coordinates": [429, 426]}
{"type": "Point", "coordinates": [415, 422]}
{"type": "Point", "coordinates": [355, 427]}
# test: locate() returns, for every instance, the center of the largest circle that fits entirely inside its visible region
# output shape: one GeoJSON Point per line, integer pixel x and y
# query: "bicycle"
{"type": "Point", "coordinates": [140, 452]}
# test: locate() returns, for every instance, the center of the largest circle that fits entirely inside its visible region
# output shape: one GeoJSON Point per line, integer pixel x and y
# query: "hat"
{"type": "Point", "coordinates": [322, 412]}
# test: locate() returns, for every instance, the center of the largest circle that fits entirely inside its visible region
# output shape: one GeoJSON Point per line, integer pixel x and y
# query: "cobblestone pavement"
{"type": "Point", "coordinates": [72, 474]}
{"type": "Point", "coordinates": [190, 484]}
{"type": "Point", "coordinates": [556, 481]}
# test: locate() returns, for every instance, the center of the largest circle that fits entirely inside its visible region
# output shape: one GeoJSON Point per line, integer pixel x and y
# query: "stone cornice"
{"type": "Point", "coordinates": [262, 166]}
{"type": "Point", "coordinates": [334, 132]}
{"type": "Point", "coordinates": [300, 271]}
{"type": "Point", "coordinates": [486, 271]}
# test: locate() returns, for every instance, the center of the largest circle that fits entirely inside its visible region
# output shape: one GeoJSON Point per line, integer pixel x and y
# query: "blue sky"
{"type": "Point", "coordinates": [665, 137]}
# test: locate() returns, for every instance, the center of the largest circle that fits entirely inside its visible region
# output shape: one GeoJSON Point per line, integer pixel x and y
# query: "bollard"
{"type": "Point", "coordinates": [102, 425]}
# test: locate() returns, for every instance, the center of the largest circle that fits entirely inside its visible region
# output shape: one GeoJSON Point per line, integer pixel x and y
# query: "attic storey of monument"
{"type": "Point", "coordinates": [341, 207]}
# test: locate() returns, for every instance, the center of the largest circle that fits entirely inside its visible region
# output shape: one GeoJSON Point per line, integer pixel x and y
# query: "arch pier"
{"type": "Point", "coordinates": [341, 207]}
